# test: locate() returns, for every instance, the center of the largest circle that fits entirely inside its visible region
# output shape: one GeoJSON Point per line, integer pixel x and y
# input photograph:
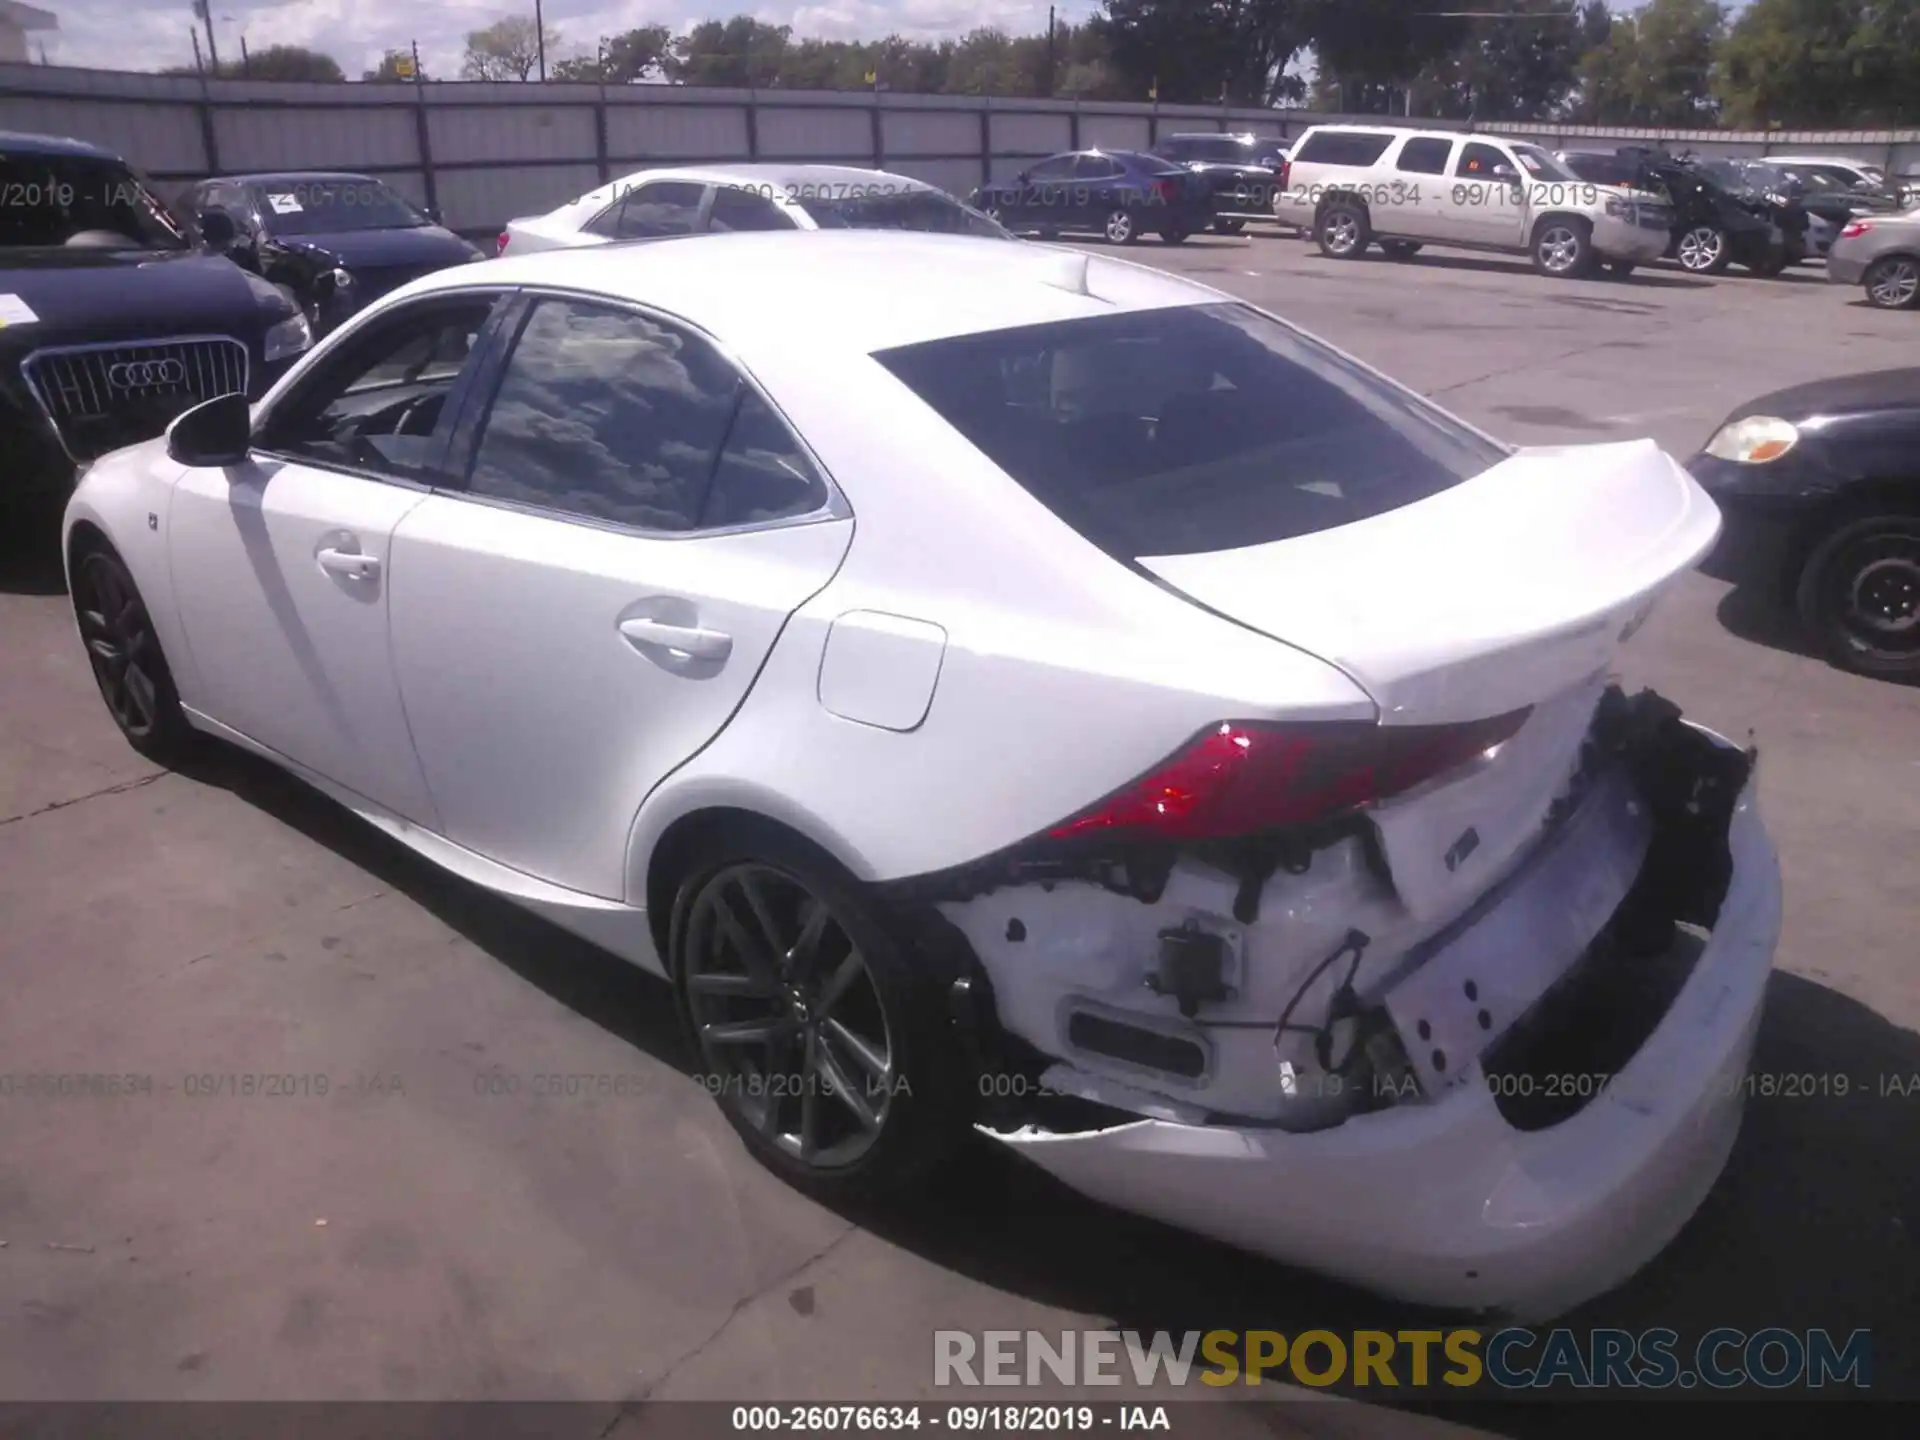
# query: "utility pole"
{"type": "Point", "coordinates": [198, 63]}
{"type": "Point", "coordinates": [540, 37]}
{"type": "Point", "coordinates": [246, 62]}
{"type": "Point", "coordinates": [1050, 65]}
{"type": "Point", "coordinates": [203, 11]}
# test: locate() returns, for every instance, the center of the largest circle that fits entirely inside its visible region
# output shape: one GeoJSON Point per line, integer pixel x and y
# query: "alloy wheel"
{"type": "Point", "coordinates": [788, 1018]}
{"type": "Point", "coordinates": [1894, 284]}
{"type": "Point", "coordinates": [1119, 227]}
{"type": "Point", "coordinates": [1342, 232]}
{"type": "Point", "coordinates": [120, 644]}
{"type": "Point", "coordinates": [1700, 248]}
{"type": "Point", "coordinates": [1559, 249]}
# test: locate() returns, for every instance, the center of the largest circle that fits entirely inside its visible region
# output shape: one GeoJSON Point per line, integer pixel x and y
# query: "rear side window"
{"type": "Point", "coordinates": [1342, 147]}
{"type": "Point", "coordinates": [735, 208]}
{"type": "Point", "coordinates": [1187, 430]}
{"type": "Point", "coordinates": [667, 207]}
{"type": "Point", "coordinates": [1424, 156]}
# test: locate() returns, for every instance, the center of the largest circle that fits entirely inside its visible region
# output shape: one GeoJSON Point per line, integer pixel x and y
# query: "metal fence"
{"type": "Point", "coordinates": [485, 152]}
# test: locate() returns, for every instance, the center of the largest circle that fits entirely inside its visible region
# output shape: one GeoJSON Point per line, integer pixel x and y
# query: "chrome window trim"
{"type": "Point", "coordinates": [836, 506]}
{"type": "Point", "coordinates": [94, 347]}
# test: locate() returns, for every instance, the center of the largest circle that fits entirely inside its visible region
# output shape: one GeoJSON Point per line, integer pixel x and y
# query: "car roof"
{"type": "Point", "coordinates": [771, 173]}
{"type": "Point", "coordinates": [19, 142]}
{"type": "Point", "coordinates": [283, 177]}
{"type": "Point", "coordinates": [850, 291]}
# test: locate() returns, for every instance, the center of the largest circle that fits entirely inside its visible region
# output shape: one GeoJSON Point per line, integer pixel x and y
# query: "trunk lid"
{"type": "Point", "coordinates": [1482, 599]}
{"type": "Point", "coordinates": [1511, 591]}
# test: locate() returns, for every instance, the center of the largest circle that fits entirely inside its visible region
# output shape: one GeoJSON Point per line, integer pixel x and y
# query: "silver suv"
{"type": "Point", "coordinates": [1356, 185]}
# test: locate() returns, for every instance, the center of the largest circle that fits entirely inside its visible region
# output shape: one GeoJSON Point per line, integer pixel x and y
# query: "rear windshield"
{"type": "Point", "coordinates": [1188, 430]}
{"type": "Point", "coordinates": [1341, 147]}
{"type": "Point", "coordinates": [923, 210]}
{"type": "Point", "coordinates": [326, 207]}
{"type": "Point", "coordinates": [46, 200]}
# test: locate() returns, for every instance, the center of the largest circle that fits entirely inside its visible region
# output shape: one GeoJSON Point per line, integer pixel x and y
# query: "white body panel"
{"type": "Point", "coordinates": [533, 703]}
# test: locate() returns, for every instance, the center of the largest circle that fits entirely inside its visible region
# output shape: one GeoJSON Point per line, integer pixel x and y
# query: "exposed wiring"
{"type": "Point", "coordinates": [1344, 1005]}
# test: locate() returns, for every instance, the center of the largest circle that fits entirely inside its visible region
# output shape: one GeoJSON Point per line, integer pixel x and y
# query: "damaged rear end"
{"type": "Point", "coordinates": [1452, 1002]}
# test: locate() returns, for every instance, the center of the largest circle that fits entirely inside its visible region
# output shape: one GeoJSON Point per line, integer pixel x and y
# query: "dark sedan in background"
{"type": "Point", "coordinates": [331, 241]}
{"type": "Point", "coordinates": [1820, 489]}
{"type": "Point", "coordinates": [112, 320]}
{"type": "Point", "coordinates": [1245, 173]}
{"type": "Point", "coordinates": [1120, 194]}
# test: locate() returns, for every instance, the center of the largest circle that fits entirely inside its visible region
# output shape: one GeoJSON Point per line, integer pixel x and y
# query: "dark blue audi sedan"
{"type": "Point", "coordinates": [1121, 194]}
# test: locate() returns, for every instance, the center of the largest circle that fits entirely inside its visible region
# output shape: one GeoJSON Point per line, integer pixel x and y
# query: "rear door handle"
{"type": "Point", "coordinates": [348, 563]}
{"type": "Point", "coordinates": [687, 640]}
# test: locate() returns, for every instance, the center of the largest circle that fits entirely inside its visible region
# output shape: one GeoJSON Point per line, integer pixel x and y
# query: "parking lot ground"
{"type": "Point", "coordinates": [431, 1227]}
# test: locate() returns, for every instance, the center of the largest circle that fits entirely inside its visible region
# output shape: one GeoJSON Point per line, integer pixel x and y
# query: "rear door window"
{"type": "Point", "coordinates": [1352, 148]}
{"type": "Point", "coordinates": [1425, 156]}
{"type": "Point", "coordinates": [1192, 429]}
{"type": "Point", "coordinates": [666, 207]}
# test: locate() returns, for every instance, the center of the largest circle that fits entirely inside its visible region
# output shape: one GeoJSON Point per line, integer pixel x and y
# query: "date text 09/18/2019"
{"type": "Point", "coordinates": [1530, 195]}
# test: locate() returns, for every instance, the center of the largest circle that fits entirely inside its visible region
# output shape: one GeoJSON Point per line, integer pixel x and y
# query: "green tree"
{"type": "Point", "coordinates": [1823, 62]}
{"type": "Point", "coordinates": [1196, 51]}
{"type": "Point", "coordinates": [738, 52]}
{"type": "Point", "coordinates": [623, 59]}
{"type": "Point", "coordinates": [508, 49]}
{"type": "Point", "coordinates": [1375, 46]}
{"type": "Point", "coordinates": [1656, 66]}
{"type": "Point", "coordinates": [1522, 65]}
{"type": "Point", "coordinates": [276, 62]}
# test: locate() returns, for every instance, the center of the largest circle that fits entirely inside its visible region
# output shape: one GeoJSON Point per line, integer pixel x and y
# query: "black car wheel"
{"type": "Point", "coordinates": [1228, 227]}
{"type": "Point", "coordinates": [1342, 230]}
{"type": "Point", "coordinates": [125, 653]}
{"type": "Point", "coordinates": [825, 1040]}
{"type": "Point", "coordinates": [1175, 234]}
{"type": "Point", "coordinates": [1704, 250]}
{"type": "Point", "coordinates": [1400, 249]}
{"type": "Point", "coordinates": [1893, 282]}
{"type": "Point", "coordinates": [1774, 263]}
{"type": "Point", "coordinates": [1620, 269]}
{"type": "Point", "coordinates": [1121, 228]}
{"type": "Point", "coordinates": [1859, 596]}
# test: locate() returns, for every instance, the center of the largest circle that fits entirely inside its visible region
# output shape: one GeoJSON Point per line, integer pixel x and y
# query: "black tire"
{"type": "Point", "coordinates": [1228, 227]}
{"type": "Point", "coordinates": [1174, 235]}
{"type": "Point", "coordinates": [1703, 250]}
{"type": "Point", "coordinates": [1893, 282]}
{"type": "Point", "coordinates": [1402, 250]}
{"type": "Point", "coordinates": [896, 1005]}
{"type": "Point", "coordinates": [128, 666]}
{"type": "Point", "coordinates": [1342, 229]}
{"type": "Point", "coordinates": [1774, 264]}
{"type": "Point", "coordinates": [1859, 595]}
{"type": "Point", "coordinates": [1620, 269]}
{"type": "Point", "coordinates": [1562, 247]}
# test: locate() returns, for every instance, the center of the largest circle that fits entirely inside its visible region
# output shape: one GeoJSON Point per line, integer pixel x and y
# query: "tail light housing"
{"type": "Point", "coordinates": [1166, 191]}
{"type": "Point", "coordinates": [1239, 777]}
{"type": "Point", "coordinates": [1856, 227]}
{"type": "Point", "coordinates": [500, 245]}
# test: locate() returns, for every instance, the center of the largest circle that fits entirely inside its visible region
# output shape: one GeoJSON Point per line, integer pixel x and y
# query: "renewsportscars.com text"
{"type": "Point", "coordinates": [1508, 1359]}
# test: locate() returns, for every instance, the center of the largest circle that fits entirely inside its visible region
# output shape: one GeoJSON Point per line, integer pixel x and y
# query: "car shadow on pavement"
{"type": "Point", "coordinates": [1755, 612]}
{"type": "Point", "coordinates": [30, 549]}
{"type": "Point", "coordinates": [1502, 265]}
{"type": "Point", "coordinates": [1814, 1224]}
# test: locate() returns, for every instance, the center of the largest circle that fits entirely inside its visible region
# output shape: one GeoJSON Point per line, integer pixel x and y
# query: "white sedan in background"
{"type": "Point", "coordinates": [693, 200]}
{"type": "Point", "coordinates": [1003, 689]}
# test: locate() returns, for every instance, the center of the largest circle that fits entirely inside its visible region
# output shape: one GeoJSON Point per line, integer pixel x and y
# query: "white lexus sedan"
{"type": "Point", "coordinates": [1008, 691]}
{"type": "Point", "coordinates": [705, 199]}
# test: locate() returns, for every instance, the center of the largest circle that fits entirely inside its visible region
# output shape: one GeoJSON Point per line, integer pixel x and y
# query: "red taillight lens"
{"type": "Point", "coordinates": [1241, 777]}
{"type": "Point", "coordinates": [1857, 227]}
{"type": "Point", "coordinates": [500, 246]}
{"type": "Point", "coordinates": [1283, 172]}
{"type": "Point", "coordinates": [1167, 190]}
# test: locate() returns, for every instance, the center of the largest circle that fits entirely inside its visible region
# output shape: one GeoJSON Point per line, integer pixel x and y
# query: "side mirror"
{"type": "Point", "coordinates": [217, 229]}
{"type": "Point", "coordinates": [212, 435]}
{"type": "Point", "coordinates": [432, 212]}
{"type": "Point", "coordinates": [1021, 178]}
{"type": "Point", "coordinates": [1505, 172]}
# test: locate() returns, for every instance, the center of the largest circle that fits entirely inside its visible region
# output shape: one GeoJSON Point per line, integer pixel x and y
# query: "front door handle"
{"type": "Point", "coordinates": [348, 563]}
{"type": "Point", "coordinates": [688, 640]}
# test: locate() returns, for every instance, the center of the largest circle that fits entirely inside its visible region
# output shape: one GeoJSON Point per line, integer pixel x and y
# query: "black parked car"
{"type": "Point", "coordinates": [1115, 193]}
{"type": "Point", "coordinates": [333, 242]}
{"type": "Point", "coordinates": [112, 321]}
{"type": "Point", "coordinates": [1245, 171]}
{"type": "Point", "coordinates": [1820, 489]}
{"type": "Point", "coordinates": [1720, 219]}
{"type": "Point", "coordinates": [1832, 194]}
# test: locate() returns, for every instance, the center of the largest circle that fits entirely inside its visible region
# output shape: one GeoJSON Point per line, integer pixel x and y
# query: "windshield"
{"type": "Point", "coordinates": [924, 210]}
{"type": "Point", "coordinates": [1190, 429]}
{"type": "Point", "coordinates": [1540, 165]}
{"type": "Point", "coordinates": [325, 207]}
{"type": "Point", "coordinates": [47, 200]}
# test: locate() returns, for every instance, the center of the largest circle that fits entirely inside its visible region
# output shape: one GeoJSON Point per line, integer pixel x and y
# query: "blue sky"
{"type": "Point", "coordinates": [150, 34]}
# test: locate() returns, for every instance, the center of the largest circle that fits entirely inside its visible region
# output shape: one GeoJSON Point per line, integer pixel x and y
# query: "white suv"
{"type": "Point", "coordinates": [1352, 185]}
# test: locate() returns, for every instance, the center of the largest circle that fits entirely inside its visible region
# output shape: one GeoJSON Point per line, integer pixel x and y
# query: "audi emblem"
{"type": "Point", "coordinates": [142, 374]}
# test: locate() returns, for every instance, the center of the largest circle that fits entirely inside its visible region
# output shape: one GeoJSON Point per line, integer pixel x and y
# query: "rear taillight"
{"type": "Point", "coordinates": [500, 246]}
{"type": "Point", "coordinates": [1242, 777]}
{"type": "Point", "coordinates": [1857, 227]}
{"type": "Point", "coordinates": [1167, 191]}
{"type": "Point", "coordinates": [1283, 172]}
